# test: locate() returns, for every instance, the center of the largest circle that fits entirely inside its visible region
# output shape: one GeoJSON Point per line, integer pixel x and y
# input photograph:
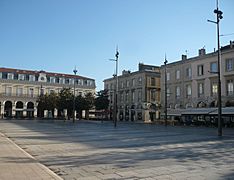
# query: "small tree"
{"type": "Point", "coordinates": [101, 101]}
{"type": "Point", "coordinates": [88, 103]}
{"type": "Point", "coordinates": [65, 100]}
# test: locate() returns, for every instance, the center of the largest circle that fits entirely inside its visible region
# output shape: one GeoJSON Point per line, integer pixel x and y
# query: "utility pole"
{"type": "Point", "coordinates": [219, 16]}
{"type": "Point", "coordinates": [74, 95]}
{"type": "Point", "coordinates": [165, 110]}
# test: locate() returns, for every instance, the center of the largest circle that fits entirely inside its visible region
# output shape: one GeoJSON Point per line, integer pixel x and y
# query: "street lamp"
{"type": "Point", "coordinates": [74, 97]}
{"type": "Point", "coordinates": [116, 89]}
{"type": "Point", "coordinates": [165, 110]}
{"type": "Point", "coordinates": [219, 16]}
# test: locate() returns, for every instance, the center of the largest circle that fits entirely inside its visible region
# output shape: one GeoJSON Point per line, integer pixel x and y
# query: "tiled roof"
{"type": "Point", "coordinates": [21, 71]}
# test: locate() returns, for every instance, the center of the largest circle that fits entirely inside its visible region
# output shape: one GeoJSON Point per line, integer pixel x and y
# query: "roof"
{"type": "Point", "coordinates": [21, 71]}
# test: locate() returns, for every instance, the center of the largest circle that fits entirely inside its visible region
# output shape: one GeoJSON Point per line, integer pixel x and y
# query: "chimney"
{"type": "Point", "coordinates": [183, 57]}
{"type": "Point", "coordinates": [231, 44]}
{"type": "Point", "coordinates": [202, 52]}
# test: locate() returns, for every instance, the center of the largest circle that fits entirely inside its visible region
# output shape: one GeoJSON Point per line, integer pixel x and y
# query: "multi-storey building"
{"type": "Point", "coordinates": [19, 89]}
{"type": "Point", "coordinates": [138, 94]}
{"type": "Point", "coordinates": [193, 83]}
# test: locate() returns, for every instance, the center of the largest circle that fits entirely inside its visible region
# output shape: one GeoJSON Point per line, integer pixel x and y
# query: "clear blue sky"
{"type": "Point", "coordinates": [56, 35]}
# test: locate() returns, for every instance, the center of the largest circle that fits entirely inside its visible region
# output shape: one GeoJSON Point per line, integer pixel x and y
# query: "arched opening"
{"type": "Point", "coordinates": [230, 103]}
{"type": "Point", "coordinates": [30, 109]}
{"type": "Point", "coordinates": [189, 105]}
{"type": "Point", "coordinates": [213, 104]}
{"type": "Point", "coordinates": [8, 109]}
{"type": "Point", "coordinates": [19, 109]}
{"type": "Point", "coordinates": [132, 113]}
{"type": "Point", "coordinates": [201, 104]}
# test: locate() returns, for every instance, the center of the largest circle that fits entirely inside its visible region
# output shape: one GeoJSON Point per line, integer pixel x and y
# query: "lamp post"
{"type": "Point", "coordinates": [165, 110]}
{"type": "Point", "coordinates": [219, 16]}
{"type": "Point", "coordinates": [74, 95]}
{"type": "Point", "coordinates": [116, 88]}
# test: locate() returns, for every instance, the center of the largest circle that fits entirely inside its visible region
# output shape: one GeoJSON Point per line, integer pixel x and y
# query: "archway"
{"type": "Point", "coordinates": [30, 109]}
{"type": "Point", "coordinates": [8, 109]}
{"type": "Point", "coordinates": [19, 109]}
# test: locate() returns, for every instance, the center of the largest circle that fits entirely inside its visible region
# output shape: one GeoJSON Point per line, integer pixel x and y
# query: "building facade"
{"type": "Point", "coordinates": [19, 89]}
{"type": "Point", "coordinates": [193, 82]}
{"type": "Point", "coordinates": [138, 94]}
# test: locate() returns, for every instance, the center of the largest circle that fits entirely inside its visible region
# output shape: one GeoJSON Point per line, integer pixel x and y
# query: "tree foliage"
{"type": "Point", "coordinates": [102, 101]}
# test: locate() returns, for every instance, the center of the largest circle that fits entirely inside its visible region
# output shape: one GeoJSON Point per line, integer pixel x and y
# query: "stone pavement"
{"type": "Point", "coordinates": [94, 150]}
{"type": "Point", "coordinates": [15, 163]}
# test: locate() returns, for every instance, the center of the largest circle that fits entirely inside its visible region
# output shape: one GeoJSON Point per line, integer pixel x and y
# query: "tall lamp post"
{"type": "Point", "coordinates": [219, 16]}
{"type": "Point", "coordinates": [116, 88]}
{"type": "Point", "coordinates": [165, 110]}
{"type": "Point", "coordinates": [74, 95]}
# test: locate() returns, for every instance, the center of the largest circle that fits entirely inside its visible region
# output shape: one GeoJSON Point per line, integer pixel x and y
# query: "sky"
{"type": "Point", "coordinates": [57, 35]}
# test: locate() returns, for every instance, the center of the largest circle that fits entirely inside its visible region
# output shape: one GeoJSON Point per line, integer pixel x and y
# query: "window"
{"type": "Point", "coordinates": [153, 95]}
{"type": "Point", "coordinates": [31, 78]}
{"type": "Point", "coordinates": [139, 96]}
{"type": "Point", "coordinates": [19, 91]}
{"type": "Point", "coordinates": [168, 92]}
{"type": "Point", "coordinates": [10, 76]}
{"type": "Point", "coordinates": [30, 92]}
{"type": "Point", "coordinates": [127, 83]}
{"type": "Point", "coordinates": [52, 79]}
{"type": "Point", "coordinates": [178, 74]}
{"type": "Point", "coordinates": [230, 87]}
{"type": "Point", "coordinates": [200, 70]}
{"type": "Point", "coordinates": [188, 90]}
{"type": "Point", "coordinates": [177, 91]}
{"type": "Point", "coordinates": [121, 97]}
{"type": "Point", "coordinates": [213, 67]}
{"type": "Point", "coordinates": [214, 89]}
{"type": "Point", "coordinates": [61, 80]}
{"type": "Point", "coordinates": [133, 82]}
{"type": "Point", "coordinates": [153, 82]}
{"type": "Point", "coordinates": [80, 82]}
{"type": "Point", "coordinates": [168, 76]}
{"type": "Point", "coordinates": [126, 96]}
{"type": "Point", "coordinates": [189, 72]}
{"type": "Point", "coordinates": [111, 98]}
{"type": "Point", "coordinates": [122, 84]}
{"type": "Point", "coordinates": [139, 80]}
{"type": "Point", "coordinates": [133, 96]}
{"type": "Point", "coordinates": [0, 75]}
{"type": "Point", "coordinates": [229, 64]}
{"type": "Point", "coordinates": [200, 89]}
{"type": "Point", "coordinates": [21, 77]}
{"type": "Point", "coordinates": [8, 91]}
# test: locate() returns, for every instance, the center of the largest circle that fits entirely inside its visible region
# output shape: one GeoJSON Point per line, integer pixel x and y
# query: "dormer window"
{"type": "Point", "coordinates": [52, 79]}
{"type": "Point", "coordinates": [21, 77]}
{"type": "Point", "coordinates": [10, 76]}
{"type": "Point", "coordinates": [61, 80]}
{"type": "Point", "coordinates": [31, 78]}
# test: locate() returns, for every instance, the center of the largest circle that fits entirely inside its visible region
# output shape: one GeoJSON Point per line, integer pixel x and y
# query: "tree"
{"type": "Point", "coordinates": [101, 101]}
{"type": "Point", "coordinates": [65, 101]}
{"type": "Point", "coordinates": [88, 103]}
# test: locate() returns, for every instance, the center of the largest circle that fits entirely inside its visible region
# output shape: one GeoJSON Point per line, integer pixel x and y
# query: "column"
{"type": "Point", "coordinates": [35, 112]}
{"type": "Point", "coordinates": [13, 110]}
{"type": "Point", "coordinates": [2, 111]}
{"type": "Point", "coordinates": [25, 111]}
{"type": "Point", "coordinates": [55, 113]}
{"type": "Point", "coordinates": [65, 113]}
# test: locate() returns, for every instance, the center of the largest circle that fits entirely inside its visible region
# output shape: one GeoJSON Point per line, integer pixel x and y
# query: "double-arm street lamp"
{"type": "Point", "coordinates": [74, 95]}
{"type": "Point", "coordinates": [219, 16]}
{"type": "Point", "coordinates": [116, 87]}
{"type": "Point", "coordinates": [165, 110]}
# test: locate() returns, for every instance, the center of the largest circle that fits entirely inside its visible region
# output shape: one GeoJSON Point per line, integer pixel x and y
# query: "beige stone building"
{"type": "Point", "coordinates": [138, 96]}
{"type": "Point", "coordinates": [192, 82]}
{"type": "Point", "coordinates": [19, 89]}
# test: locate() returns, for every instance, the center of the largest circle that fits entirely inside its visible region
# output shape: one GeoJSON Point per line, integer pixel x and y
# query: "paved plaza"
{"type": "Point", "coordinates": [94, 150]}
